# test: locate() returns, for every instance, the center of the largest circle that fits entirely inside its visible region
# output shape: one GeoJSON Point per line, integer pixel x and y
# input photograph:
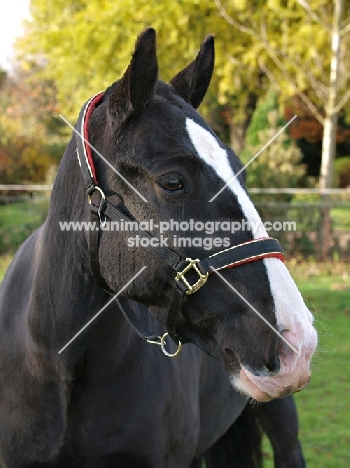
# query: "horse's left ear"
{"type": "Point", "coordinates": [193, 81]}
{"type": "Point", "coordinates": [137, 87]}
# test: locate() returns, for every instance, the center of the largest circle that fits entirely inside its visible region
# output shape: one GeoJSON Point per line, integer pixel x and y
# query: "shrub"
{"type": "Point", "coordinates": [342, 171]}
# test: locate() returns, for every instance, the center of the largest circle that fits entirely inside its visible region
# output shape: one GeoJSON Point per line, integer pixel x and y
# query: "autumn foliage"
{"type": "Point", "coordinates": [308, 127]}
{"type": "Point", "coordinates": [29, 142]}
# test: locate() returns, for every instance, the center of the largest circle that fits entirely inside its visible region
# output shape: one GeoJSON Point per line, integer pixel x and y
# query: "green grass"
{"type": "Point", "coordinates": [341, 219]}
{"type": "Point", "coordinates": [4, 263]}
{"type": "Point", "coordinates": [18, 220]}
{"type": "Point", "coordinates": [324, 410]}
{"type": "Point", "coordinates": [15, 214]}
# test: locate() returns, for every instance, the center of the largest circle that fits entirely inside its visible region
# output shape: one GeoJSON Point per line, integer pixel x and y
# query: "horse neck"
{"type": "Point", "coordinates": [66, 295]}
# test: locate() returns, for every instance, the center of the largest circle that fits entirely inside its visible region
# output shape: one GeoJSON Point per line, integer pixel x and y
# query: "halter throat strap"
{"type": "Point", "coordinates": [250, 251]}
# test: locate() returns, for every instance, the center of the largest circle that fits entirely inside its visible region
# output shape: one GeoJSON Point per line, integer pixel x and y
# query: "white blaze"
{"type": "Point", "coordinates": [289, 305]}
{"type": "Point", "coordinates": [211, 152]}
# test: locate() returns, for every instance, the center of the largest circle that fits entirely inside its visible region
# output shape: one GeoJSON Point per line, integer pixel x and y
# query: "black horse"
{"type": "Point", "coordinates": [109, 398]}
{"type": "Point", "coordinates": [240, 446]}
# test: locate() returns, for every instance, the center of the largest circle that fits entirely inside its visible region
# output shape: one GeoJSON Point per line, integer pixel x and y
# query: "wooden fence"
{"type": "Point", "coordinates": [275, 205]}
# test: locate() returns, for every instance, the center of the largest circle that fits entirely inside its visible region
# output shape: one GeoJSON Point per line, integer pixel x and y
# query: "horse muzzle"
{"type": "Point", "coordinates": [293, 376]}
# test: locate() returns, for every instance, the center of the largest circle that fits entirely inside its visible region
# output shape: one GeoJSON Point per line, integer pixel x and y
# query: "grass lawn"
{"type": "Point", "coordinates": [324, 410]}
{"type": "Point", "coordinates": [19, 220]}
{"type": "Point", "coordinates": [4, 263]}
{"type": "Point", "coordinates": [341, 218]}
{"type": "Point", "coordinates": [16, 214]}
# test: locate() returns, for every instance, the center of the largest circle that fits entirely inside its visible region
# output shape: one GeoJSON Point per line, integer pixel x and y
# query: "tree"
{"type": "Point", "coordinates": [29, 138]}
{"type": "Point", "coordinates": [278, 166]}
{"type": "Point", "coordinates": [318, 66]}
{"type": "Point", "coordinates": [85, 46]}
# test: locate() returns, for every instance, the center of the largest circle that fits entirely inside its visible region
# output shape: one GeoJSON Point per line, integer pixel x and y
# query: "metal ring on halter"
{"type": "Point", "coordinates": [101, 193]}
{"type": "Point", "coordinates": [103, 223]}
{"type": "Point", "coordinates": [163, 343]}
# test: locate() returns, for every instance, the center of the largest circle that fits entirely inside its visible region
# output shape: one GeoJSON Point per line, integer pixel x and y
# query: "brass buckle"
{"type": "Point", "coordinates": [161, 342]}
{"type": "Point", "coordinates": [192, 288]}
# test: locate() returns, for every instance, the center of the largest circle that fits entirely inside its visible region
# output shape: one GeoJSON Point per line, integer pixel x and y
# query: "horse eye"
{"type": "Point", "coordinates": [171, 183]}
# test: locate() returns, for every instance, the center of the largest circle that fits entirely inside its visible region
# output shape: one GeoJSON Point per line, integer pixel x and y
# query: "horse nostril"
{"type": "Point", "coordinates": [266, 371]}
{"type": "Point", "coordinates": [273, 368]}
{"type": "Point", "coordinates": [258, 372]}
{"type": "Point", "coordinates": [272, 360]}
{"type": "Point", "coordinates": [229, 353]}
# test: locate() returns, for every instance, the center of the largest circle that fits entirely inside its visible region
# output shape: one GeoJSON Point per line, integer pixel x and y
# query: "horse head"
{"type": "Point", "coordinates": [173, 165]}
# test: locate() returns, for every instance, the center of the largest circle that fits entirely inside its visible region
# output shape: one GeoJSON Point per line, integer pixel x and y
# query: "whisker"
{"type": "Point", "coordinates": [313, 305]}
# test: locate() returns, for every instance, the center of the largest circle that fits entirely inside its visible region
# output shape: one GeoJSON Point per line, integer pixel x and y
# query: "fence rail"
{"type": "Point", "coordinates": [23, 207]}
{"type": "Point", "coordinates": [300, 191]}
{"type": "Point", "coordinates": [25, 187]}
{"type": "Point", "coordinates": [290, 191]}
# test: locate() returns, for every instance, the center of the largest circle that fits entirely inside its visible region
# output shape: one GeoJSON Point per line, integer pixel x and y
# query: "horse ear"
{"type": "Point", "coordinates": [137, 87]}
{"type": "Point", "coordinates": [193, 81]}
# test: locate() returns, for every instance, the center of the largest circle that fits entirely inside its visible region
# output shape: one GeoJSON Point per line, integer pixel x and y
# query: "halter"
{"type": "Point", "coordinates": [250, 251]}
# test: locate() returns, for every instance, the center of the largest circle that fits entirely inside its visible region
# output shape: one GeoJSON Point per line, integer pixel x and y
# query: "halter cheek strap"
{"type": "Point", "coordinates": [84, 151]}
{"type": "Point", "coordinates": [250, 251]}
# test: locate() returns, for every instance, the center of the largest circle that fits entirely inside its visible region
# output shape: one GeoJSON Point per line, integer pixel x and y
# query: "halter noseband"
{"type": "Point", "coordinates": [250, 251]}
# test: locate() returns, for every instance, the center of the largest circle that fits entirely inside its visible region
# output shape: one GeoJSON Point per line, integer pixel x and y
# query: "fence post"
{"type": "Point", "coordinates": [325, 233]}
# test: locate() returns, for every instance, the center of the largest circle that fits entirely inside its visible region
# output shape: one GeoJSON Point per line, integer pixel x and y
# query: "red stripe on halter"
{"type": "Point", "coordinates": [253, 258]}
{"type": "Point", "coordinates": [278, 255]}
{"type": "Point", "coordinates": [89, 111]}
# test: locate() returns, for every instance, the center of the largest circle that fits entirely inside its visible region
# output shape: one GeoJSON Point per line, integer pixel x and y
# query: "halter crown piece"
{"type": "Point", "coordinates": [250, 251]}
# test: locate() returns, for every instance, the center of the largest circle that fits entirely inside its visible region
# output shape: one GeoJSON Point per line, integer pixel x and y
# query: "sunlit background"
{"type": "Point", "coordinates": [12, 15]}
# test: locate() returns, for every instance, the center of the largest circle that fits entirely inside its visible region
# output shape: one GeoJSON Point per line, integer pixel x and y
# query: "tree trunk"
{"type": "Point", "coordinates": [329, 133]}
